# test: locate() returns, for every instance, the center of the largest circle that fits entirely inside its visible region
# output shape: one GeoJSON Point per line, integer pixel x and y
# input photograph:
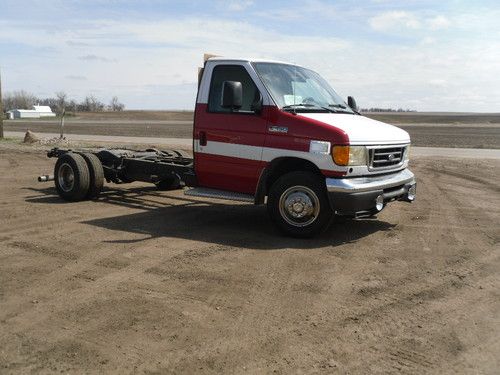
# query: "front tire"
{"type": "Point", "coordinates": [298, 204]}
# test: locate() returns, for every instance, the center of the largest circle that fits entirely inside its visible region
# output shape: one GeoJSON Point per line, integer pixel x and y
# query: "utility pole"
{"type": "Point", "coordinates": [1, 108]}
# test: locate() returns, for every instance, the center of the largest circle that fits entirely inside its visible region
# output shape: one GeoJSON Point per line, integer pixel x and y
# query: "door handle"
{"type": "Point", "coordinates": [203, 138]}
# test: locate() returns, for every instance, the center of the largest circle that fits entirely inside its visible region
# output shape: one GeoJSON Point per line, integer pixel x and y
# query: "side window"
{"type": "Point", "coordinates": [238, 73]}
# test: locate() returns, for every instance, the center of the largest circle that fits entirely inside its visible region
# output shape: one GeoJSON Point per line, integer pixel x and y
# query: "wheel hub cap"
{"type": "Point", "coordinates": [299, 206]}
{"type": "Point", "coordinates": [66, 177]}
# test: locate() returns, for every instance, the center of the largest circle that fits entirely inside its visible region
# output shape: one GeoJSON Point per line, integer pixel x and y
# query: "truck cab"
{"type": "Point", "coordinates": [264, 132]}
{"type": "Point", "coordinates": [281, 134]}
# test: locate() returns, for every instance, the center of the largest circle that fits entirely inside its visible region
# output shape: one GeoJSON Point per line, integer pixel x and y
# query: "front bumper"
{"type": "Point", "coordinates": [358, 196]}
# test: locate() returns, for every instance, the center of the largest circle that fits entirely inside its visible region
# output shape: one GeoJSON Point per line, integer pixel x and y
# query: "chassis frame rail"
{"type": "Point", "coordinates": [123, 165]}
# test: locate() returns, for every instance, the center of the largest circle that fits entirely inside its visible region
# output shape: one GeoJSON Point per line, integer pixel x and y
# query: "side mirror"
{"type": "Point", "coordinates": [351, 102]}
{"type": "Point", "coordinates": [232, 94]}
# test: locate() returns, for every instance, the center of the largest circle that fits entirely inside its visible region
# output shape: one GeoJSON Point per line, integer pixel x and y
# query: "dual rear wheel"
{"type": "Point", "coordinates": [78, 176]}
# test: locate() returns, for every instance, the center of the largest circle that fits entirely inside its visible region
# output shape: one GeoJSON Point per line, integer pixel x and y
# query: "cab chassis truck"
{"type": "Point", "coordinates": [264, 132]}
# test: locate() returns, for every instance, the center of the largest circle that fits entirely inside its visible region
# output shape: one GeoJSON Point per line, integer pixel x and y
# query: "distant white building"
{"type": "Point", "coordinates": [37, 112]}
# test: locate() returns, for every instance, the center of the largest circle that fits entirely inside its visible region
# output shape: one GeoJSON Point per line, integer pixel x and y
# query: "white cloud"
{"type": "Point", "coordinates": [164, 55]}
{"type": "Point", "coordinates": [238, 6]}
{"type": "Point", "coordinates": [306, 8]}
{"type": "Point", "coordinates": [428, 40]}
{"type": "Point", "coordinates": [281, 14]}
{"type": "Point", "coordinates": [438, 82]}
{"type": "Point", "coordinates": [394, 20]}
{"type": "Point", "coordinates": [76, 78]}
{"type": "Point", "coordinates": [91, 57]}
{"type": "Point", "coordinates": [403, 20]}
{"type": "Point", "coordinates": [438, 22]}
{"type": "Point", "coordinates": [226, 37]}
{"type": "Point", "coordinates": [155, 63]}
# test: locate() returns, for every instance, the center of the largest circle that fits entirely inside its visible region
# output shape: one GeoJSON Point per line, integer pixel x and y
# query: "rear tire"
{"type": "Point", "coordinates": [298, 204]}
{"type": "Point", "coordinates": [71, 177]}
{"type": "Point", "coordinates": [171, 183]}
{"type": "Point", "coordinates": [96, 174]}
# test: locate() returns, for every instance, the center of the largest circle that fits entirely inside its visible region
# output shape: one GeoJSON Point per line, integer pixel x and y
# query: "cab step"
{"type": "Point", "coordinates": [219, 194]}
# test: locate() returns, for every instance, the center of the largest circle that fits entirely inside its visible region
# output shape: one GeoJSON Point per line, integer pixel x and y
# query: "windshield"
{"type": "Point", "coordinates": [299, 89]}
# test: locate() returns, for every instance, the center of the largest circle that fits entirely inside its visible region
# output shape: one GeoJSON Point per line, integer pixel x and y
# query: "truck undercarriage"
{"type": "Point", "coordinates": [168, 169]}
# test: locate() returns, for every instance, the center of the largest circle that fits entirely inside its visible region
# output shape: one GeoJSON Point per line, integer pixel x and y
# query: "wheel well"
{"type": "Point", "coordinates": [276, 169]}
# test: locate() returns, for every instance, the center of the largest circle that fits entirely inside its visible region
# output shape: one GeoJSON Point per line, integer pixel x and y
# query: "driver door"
{"type": "Point", "coordinates": [228, 146]}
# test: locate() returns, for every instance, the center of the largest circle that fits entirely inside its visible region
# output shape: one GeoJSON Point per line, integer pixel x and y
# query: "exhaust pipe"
{"type": "Point", "coordinates": [45, 178]}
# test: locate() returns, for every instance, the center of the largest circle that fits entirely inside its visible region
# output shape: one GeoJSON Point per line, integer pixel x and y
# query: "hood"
{"type": "Point", "coordinates": [360, 129]}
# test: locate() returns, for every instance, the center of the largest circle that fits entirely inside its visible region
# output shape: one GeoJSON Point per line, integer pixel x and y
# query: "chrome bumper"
{"type": "Point", "coordinates": [373, 183]}
{"type": "Point", "coordinates": [364, 196]}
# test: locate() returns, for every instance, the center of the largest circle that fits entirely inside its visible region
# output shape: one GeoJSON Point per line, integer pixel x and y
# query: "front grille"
{"type": "Point", "coordinates": [386, 157]}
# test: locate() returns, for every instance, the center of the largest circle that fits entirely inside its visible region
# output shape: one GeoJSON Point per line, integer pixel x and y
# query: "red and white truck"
{"type": "Point", "coordinates": [270, 133]}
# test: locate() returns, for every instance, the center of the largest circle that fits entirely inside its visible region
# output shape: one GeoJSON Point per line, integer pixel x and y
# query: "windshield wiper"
{"type": "Point", "coordinates": [350, 111]}
{"type": "Point", "coordinates": [331, 110]}
{"type": "Point", "coordinates": [307, 105]}
{"type": "Point", "coordinates": [331, 107]}
{"type": "Point", "coordinates": [337, 106]}
{"type": "Point", "coordinates": [291, 106]}
{"type": "Point", "coordinates": [342, 106]}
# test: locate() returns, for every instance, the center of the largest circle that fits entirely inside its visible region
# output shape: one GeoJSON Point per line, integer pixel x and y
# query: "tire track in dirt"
{"type": "Point", "coordinates": [465, 265]}
{"type": "Point", "coordinates": [409, 289]}
{"type": "Point", "coordinates": [483, 182]}
{"type": "Point", "coordinates": [148, 258]}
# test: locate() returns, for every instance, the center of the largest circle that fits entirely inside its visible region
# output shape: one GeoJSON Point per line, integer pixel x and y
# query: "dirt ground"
{"type": "Point", "coordinates": [142, 281]}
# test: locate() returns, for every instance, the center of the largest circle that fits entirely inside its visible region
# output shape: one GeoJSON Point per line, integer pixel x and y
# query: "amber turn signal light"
{"type": "Point", "coordinates": [341, 155]}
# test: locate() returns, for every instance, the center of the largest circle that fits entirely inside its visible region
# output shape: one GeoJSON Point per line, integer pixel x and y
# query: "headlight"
{"type": "Point", "coordinates": [350, 155]}
{"type": "Point", "coordinates": [319, 147]}
{"type": "Point", "coordinates": [407, 153]}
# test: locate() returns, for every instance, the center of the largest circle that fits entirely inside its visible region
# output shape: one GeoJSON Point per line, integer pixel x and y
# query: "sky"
{"type": "Point", "coordinates": [416, 54]}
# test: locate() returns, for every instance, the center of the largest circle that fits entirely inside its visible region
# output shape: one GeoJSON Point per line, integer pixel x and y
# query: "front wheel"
{"type": "Point", "coordinates": [298, 204]}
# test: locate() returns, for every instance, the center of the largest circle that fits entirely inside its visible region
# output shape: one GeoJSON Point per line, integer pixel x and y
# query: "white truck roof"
{"type": "Point", "coordinates": [241, 59]}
